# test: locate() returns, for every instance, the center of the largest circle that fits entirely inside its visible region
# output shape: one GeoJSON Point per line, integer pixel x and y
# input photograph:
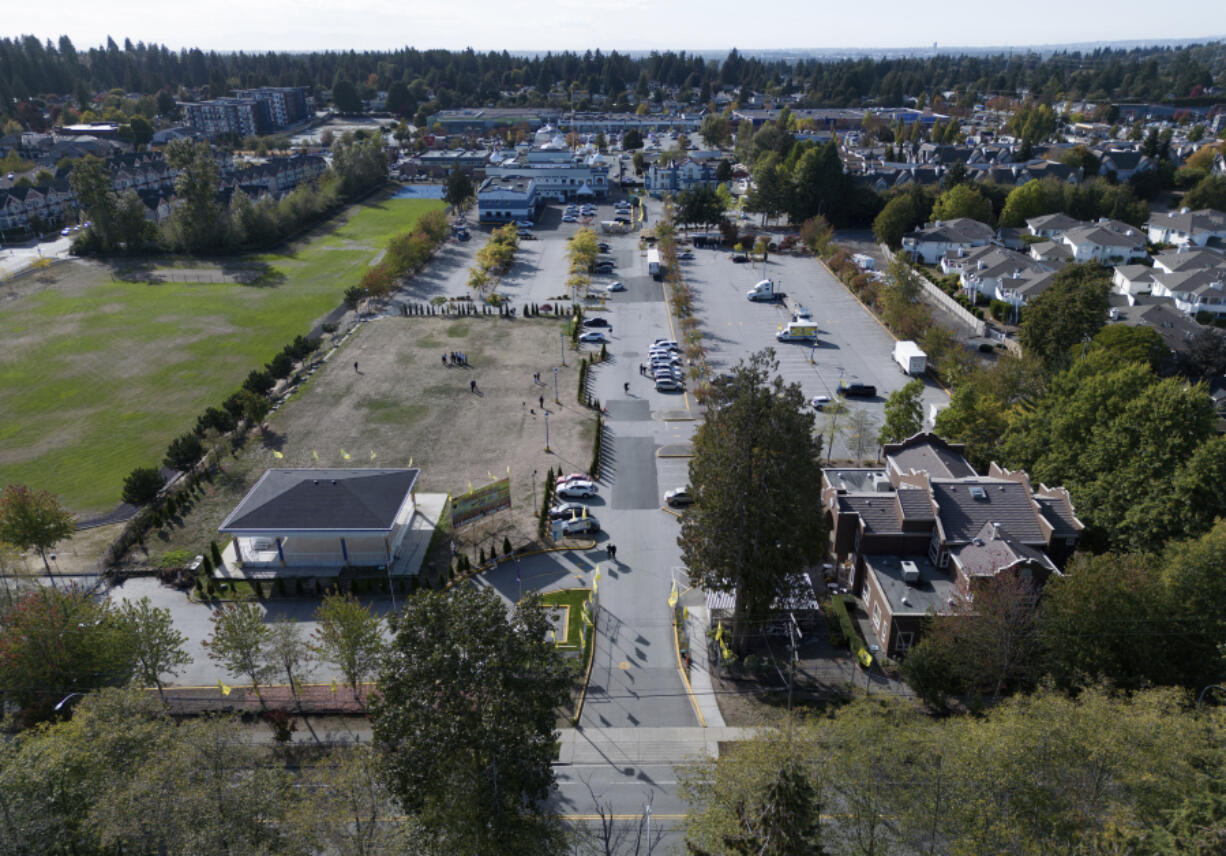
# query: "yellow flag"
{"type": "Point", "coordinates": [372, 454]}
{"type": "Point", "coordinates": [225, 690]}
{"type": "Point", "coordinates": [585, 512]}
{"type": "Point", "coordinates": [673, 596]}
{"type": "Point", "coordinates": [277, 455]}
{"type": "Point", "coordinates": [470, 487]}
{"type": "Point", "coordinates": [315, 455]}
{"type": "Point", "coordinates": [508, 469]}
{"type": "Point", "coordinates": [685, 613]}
{"type": "Point", "coordinates": [334, 686]}
{"type": "Point", "coordinates": [410, 462]}
{"type": "Point", "coordinates": [345, 455]}
{"type": "Point", "coordinates": [491, 475]}
{"type": "Point", "coordinates": [719, 632]}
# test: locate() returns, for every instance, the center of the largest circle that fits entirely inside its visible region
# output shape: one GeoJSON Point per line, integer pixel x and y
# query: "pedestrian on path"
{"type": "Point", "coordinates": [542, 402]}
{"type": "Point", "coordinates": [355, 367]}
{"type": "Point", "coordinates": [472, 385]}
{"type": "Point", "coordinates": [626, 387]}
{"type": "Point", "coordinates": [613, 552]}
{"type": "Point", "coordinates": [444, 359]}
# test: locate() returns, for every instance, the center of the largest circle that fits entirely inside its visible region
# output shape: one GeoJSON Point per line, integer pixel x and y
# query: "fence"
{"type": "Point", "coordinates": [945, 302]}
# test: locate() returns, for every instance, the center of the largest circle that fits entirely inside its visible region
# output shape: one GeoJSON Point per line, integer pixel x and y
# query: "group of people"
{"type": "Point", "coordinates": [455, 358]}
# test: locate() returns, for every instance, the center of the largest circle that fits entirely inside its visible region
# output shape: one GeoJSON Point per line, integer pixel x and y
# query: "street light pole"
{"type": "Point", "coordinates": [547, 449]}
{"type": "Point", "coordinates": [556, 400]}
{"type": "Point", "coordinates": [561, 349]}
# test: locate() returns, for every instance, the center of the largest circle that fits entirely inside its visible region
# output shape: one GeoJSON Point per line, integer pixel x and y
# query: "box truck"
{"type": "Point", "coordinates": [654, 267]}
{"type": "Point", "coordinates": [797, 331]}
{"type": "Point", "coordinates": [910, 358]}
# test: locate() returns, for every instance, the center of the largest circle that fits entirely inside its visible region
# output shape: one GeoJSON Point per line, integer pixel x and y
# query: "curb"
{"type": "Point", "coordinates": [587, 675]}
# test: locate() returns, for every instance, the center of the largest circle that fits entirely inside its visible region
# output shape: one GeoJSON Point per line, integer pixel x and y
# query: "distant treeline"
{"type": "Point", "coordinates": [30, 68]}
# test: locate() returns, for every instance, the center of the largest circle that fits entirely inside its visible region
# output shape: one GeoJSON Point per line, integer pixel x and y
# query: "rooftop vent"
{"type": "Point", "coordinates": [978, 492]}
{"type": "Point", "coordinates": [910, 572]}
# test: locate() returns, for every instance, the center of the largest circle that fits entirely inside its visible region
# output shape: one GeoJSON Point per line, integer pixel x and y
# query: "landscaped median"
{"type": "Point", "coordinates": [580, 624]}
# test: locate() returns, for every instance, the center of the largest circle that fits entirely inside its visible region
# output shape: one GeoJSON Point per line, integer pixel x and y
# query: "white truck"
{"type": "Point", "coordinates": [765, 292]}
{"type": "Point", "coordinates": [910, 358]}
{"type": "Point", "coordinates": [654, 266]}
{"type": "Point", "coordinates": [797, 331]}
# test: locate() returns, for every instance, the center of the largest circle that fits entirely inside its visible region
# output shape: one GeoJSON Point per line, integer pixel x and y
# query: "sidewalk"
{"type": "Point", "coordinates": [700, 676]}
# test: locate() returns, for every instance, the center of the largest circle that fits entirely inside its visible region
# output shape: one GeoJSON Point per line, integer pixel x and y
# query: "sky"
{"type": "Point", "coordinates": [524, 27]}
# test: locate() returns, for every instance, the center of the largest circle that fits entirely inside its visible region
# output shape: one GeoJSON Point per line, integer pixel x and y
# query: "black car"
{"type": "Point", "coordinates": [861, 390]}
{"type": "Point", "coordinates": [596, 322]}
{"type": "Point", "coordinates": [603, 247]}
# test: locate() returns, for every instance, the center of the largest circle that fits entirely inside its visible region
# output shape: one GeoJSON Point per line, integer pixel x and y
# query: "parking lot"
{"type": "Point", "coordinates": [852, 346]}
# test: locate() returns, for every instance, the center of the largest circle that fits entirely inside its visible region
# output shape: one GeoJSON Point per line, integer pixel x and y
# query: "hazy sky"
{"type": "Point", "coordinates": [622, 24]}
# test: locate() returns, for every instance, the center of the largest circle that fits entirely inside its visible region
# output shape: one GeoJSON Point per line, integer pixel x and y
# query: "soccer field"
{"type": "Point", "coordinates": [98, 374]}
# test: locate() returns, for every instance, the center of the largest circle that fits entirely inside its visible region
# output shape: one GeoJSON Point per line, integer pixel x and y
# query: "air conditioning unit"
{"type": "Point", "coordinates": [910, 573]}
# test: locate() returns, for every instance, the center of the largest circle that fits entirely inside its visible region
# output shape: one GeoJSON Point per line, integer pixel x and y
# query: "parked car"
{"type": "Point", "coordinates": [566, 510]}
{"type": "Point", "coordinates": [667, 342]}
{"type": "Point", "coordinates": [686, 254]}
{"type": "Point", "coordinates": [570, 218]}
{"type": "Point", "coordinates": [861, 390]}
{"type": "Point", "coordinates": [819, 402]}
{"type": "Point", "coordinates": [678, 497]}
{"type": "Point", "coordinates": [603, 247]}
{"type": "Point", "coordinates": [576, 490]}
{"type": "Point", "coordinates": [616, 286]}
{"type": "Point", "coordinates": [570, 477]}
{"type": "Point", "coordinates": [581, 526]}
{"type": "Point", "coordinates": [593, 337]}
{"type": "Point", "coordinates": [524, 224]}
{"type": "Point", "coordinates": [596, 322]}
{"type": "Point", "coordinates": [525, 235]}
{"type": "Point", "coordinates": [665, 384]}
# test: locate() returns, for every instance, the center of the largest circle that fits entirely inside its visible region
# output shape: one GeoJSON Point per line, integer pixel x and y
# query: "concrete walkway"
{"type": "Point", "coordinates": [700, 674]}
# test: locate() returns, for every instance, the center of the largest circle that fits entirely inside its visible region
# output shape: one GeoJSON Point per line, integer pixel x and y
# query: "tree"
{"type": "Point", "coordinates": [400, 100]}
{"type": "Point", "coordinates": [699, 206]}
{"type": "Point", "coordinates": [345, 96]}
{"type": "Point", "coordinates": [904, 413]}
{"type": "Point", "coordinates": [288, 652]}
{"type": "Point", "coordinates": [1072, 310]}
{"type": "Point", "coordinates": [1132, 344]}
{"type": "Point", "coordinates": [723, 171]}
{"type": "Point", "coordinates": [350, 637]}
{"type": "Point", "coordinates": [899, 216]}
{"type": "Point", "coordinates": [716, 130]}
{"type": "Point", "coordinates": [31, 519]}
{"type": "Point", "coordinates": [1206, 353]}
{"type": "Point", "coordinates": [459, 191]}
{"type": "Point", "coordinates": [1079, 157]}
{"type": "Point", "coordinates": [1195, 586]}
{"type": "Point", "coordinates": [54, 642]}
{"type": "Point", "coordinates": [348, 808]}
{"type": "Point", "coordinates": [252, 406]}
{"type": "Point", "coordinates": [1024, 203]}
{"type": "Point", "coordinates": [762, 797]}
{"type": "Point", "coordinates": [632, 139]}
{"type": "Point", "coordinates": [756, 465]}
{"type": "Point", "coordinates": [1093, 618]}
{"type": "Point", "coordinates": [819, 184]}
{"type": "Point", "coordinates": [183, 453]}
{"type": "Point", "coordinates": [142, 131]}
{"type": "Point", "coordinates": [1209, 192]}
{"type": "Point", "coordinates": [196, 224]}
{"type": "Point", "coordinates": [465, 721]}
{"type": "Point", "coordinates": [638, 162]}
{"type": "Point", "coordinates": [142, 485]}
{"type": "Point", "coordinates": [860, 434]}
{"type": "Point", "coordinates": [95, 194]}
{"type": "Point", "coordinates": [157, 647]}
{"type": "Point", "coordinates": [239, 642]}
{"type": "Point", "coordinates": [963, 200]}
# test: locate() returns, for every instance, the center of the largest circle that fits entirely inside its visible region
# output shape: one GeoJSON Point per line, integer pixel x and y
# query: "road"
{"type": "Point", "coordinates": [15, 258]}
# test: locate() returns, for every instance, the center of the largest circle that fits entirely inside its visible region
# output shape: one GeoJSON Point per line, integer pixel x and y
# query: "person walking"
{"type": "Point", "coordinates": [626, 387]}
{"type": "Point", "coordinates": [355, 367]}
{"type": "Point", "coordinates": [542, 402]}
{"type": "Point", "coordinates": [472, 385]}
{"type": "Point", "coordinates": [444, 359]}
{"type": "Point", "coordinates": [613, 552]}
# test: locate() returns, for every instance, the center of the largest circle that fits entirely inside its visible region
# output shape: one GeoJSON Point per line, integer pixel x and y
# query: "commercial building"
{"type": "Point", "coordinates": [558, 174]}
{"type": "Point", "coordinates": [501, 199]}
{"type": "Point", "coordinates": [287, 105]}
{"type": "Point", "coordinates": [249, 112]}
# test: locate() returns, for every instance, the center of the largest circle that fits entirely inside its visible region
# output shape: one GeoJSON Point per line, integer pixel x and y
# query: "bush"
{"type": "Point", "coordinates": [281, 365]}
{"type": "Point", "coordinates": [217, 418]}
{"type": "Point", "coordinates": [506, 545]}
{"type": "Point", "coordinates": [258, 381]}
{"type": "Point", "coordinates": [841, 606]}
{"type": "Point", "coordinates": [328, 327]}
{"type": "Point", "coordinates": [354, 295]}
{"type": "Point", "coordinates": [216, 552]}
{"type": "Point", "coordinates": [142, 485]}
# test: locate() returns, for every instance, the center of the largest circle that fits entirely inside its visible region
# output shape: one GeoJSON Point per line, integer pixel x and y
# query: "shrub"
{"type": "Point", "coordinates": [258, 381]}
{"type": "Point", "coordinates": [481, 557]}
{"type": "Point", "coordinates": [353, 296]}
{"type": "Point", "coordinates": [847, 626]}
{"type": "Point", "coordinates": [281, 365]}
{"type": "Point", "coordinates": [506, 545]}
{"type": "Point", "coordinates": [216, 551]}
{"type": "Point", "coordinates": [142, 485]}
{"type": "Point", "coordinates": [206, 566]}
{"type": "Point", "coordinates": [328, 327]}
{"type": "Point", "coordinates": [217, 418]}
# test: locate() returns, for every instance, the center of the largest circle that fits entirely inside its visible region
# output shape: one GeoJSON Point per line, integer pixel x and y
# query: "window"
{"type": "Point", "coordinates": [904, 641]}
{"type": "Point", "coordinates": [876, 616]}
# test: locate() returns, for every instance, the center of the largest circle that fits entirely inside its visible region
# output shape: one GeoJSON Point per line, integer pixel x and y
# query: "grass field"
{"type": "Point", "coordinates": [98, 375]}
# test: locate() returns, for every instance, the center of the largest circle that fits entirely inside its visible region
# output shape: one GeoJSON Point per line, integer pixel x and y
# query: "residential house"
{"type": "Point", "coordinates": [984, 269]}
{"type": "Point", "coordinates": [1177, 329]}
{"type": "Point", "coordinates": [1194, 291]}
{"type": "Point", "coordinates": [1106, 242]}
{"type": "Point", "coordinates": [937, 239]}
{"type": "Point", "coordinates": [1188, 228]}
{"type": "Point", "coordinates": [1052, 226]}
{"type": "Point", "coordinates": [1124, 164]}
{"type": "Point", "coordinates": [1188, 258]}
{"type": "Point", "coordinates": [680, 175]}
{"type": "Point", "coordinates": [1024, 286]}
{"type": "Point", "coordinates": [918, 536]}
{"type": "Point", "coordinates": [1132, 279]}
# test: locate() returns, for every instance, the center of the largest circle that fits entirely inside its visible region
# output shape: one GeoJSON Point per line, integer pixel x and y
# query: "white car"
{"type": "Point", "coordinates": [524, 224]}
{"type": "Point", "coordinates": [616, 286]}
{"type": "Point", "coordinates": [594, 337]}
{"type": "Point", "coordinates": [668, 343]}
{"type": "Point", "coordinates": [576, 490]}
{"type": "Point", "coordinates": [686, 255]}
{"type": "Point", "coordinates": [819, 402]}
{"type": "Point", "coordinates": [581, 526]}
{"type": "Point", "coordinates": [570, 218]}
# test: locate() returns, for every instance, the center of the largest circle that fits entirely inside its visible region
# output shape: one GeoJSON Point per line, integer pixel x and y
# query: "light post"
{"type": "Point", "coordinates": [534, 488]}
{"type": "Point", "coordinates": [556, 400]}
{"type": "Point", "coordinates": [561, 350]}
{"type": "Point", "coordinates": [547, 449]}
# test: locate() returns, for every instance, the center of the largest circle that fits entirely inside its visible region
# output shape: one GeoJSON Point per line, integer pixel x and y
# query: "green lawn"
{"type": "Point", "coordinates": [97, 376]}
{"type": "Point", "coordinates": [574, 599]}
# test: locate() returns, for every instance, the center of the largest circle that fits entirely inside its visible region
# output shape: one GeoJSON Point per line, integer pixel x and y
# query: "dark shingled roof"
{"type": "Point", "coordinates": [879, 512]}
{"type": "Point", "coordinates": [1057, 511]}
{"type": "Point", "coordinates": [322, 499]}
{"type": "Point", "coordinates": [994, 550]}
{"type": "Point", "coordinates": [930, 457]}
{"type": "Point", "coordinates": [915, 504]}
{"type": "Point", "coordinates": [1005, 502]}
